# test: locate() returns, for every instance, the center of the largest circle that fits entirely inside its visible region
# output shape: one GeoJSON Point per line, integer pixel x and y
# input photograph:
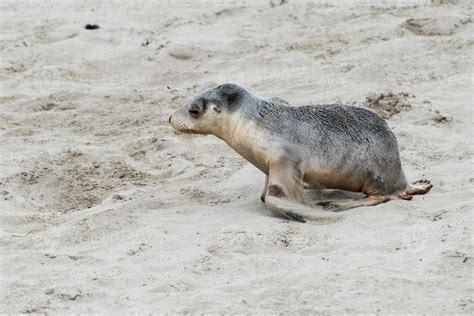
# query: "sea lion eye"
{"type": "Point", "coordinates": [216, 109]}
{"type": "Point", "coordinates": [197, 107]}
{"type": "Point", "coordinates": [194, 113]}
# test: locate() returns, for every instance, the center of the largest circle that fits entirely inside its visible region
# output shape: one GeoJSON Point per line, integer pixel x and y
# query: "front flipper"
{"type": "Point", "coordinates": [262, 196]}
{"type": "Point", "coordinates": [284, 195]}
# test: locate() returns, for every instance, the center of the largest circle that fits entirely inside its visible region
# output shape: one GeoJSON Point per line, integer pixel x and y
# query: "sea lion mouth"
{"type": "Point", "coordinates": [182, 131]}
{"type": "Point", "coordinates": [181, 128]}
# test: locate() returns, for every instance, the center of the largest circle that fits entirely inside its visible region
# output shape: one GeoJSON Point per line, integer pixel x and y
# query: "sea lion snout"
{"type": "Point", "coordinates": [180, 123]}
{"type": "Point", "coordinates": [194, 117]}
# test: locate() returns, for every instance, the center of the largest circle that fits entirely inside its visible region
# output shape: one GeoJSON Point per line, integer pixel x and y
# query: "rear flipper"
{"type": "Point", "coordinates": [418, 187]}
{"type": "Point", "coordinates": [371, 200]}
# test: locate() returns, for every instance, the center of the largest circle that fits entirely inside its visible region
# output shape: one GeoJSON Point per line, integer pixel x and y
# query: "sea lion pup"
{"type": "Point", "coordinates": [330, 146]}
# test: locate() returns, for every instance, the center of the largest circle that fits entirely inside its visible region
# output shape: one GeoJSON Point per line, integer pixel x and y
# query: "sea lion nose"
{"type": "Point", "coordinates": [169, 120]}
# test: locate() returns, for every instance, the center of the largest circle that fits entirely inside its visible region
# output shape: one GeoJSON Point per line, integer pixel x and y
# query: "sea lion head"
{"type": "Point", "coordinates": [209, 112]}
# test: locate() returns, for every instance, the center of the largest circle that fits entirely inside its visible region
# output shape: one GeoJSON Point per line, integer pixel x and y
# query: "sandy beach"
{"type": "Point", "coordinates": [104, 209]}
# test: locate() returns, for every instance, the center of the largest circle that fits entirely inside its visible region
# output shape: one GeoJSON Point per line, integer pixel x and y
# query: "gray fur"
{"type": "Point", "coordinates": [352, 140]}
{"type": "Point", "coordinates": [337, 146]}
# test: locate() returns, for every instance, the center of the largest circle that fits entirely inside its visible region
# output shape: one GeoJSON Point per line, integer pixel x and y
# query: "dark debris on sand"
{"type": "Point", "coordinates": [91, 26]}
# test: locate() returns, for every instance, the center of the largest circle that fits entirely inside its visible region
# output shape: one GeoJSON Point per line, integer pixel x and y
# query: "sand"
{"type": "Point", "coordinates": [104, 209]}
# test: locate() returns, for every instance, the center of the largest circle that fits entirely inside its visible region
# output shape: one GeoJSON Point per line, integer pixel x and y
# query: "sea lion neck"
{"type": "Point", "coordinates": [230, 128]}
